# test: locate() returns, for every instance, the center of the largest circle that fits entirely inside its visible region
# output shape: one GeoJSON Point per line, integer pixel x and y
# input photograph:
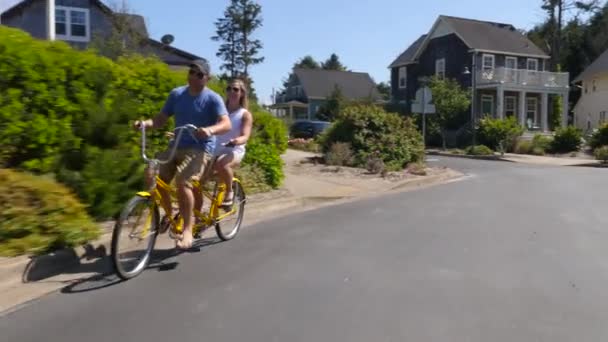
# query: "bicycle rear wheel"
{"type": "Point", "coordinates": [136, 227]}
{"type": "Point", "coordinates": [227, 229]}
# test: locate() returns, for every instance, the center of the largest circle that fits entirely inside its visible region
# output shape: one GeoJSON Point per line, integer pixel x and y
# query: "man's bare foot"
{"type": "Point", "coordinates": [186, 241]}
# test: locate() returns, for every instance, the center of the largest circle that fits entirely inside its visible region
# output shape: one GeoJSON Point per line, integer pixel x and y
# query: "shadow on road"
{"type": "Point", "coordinates": [98, 262]}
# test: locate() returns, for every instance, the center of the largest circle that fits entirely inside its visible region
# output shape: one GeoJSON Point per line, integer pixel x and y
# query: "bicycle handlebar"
{"type": "Point", "coordinates": [191, 128]}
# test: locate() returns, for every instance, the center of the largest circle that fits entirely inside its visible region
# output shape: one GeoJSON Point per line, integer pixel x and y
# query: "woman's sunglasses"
{"type": "Point", "coordinates": [233, 89]}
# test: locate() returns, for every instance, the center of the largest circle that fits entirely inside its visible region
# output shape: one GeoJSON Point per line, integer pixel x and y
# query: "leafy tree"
{"type": "Point", "coordinates": [239, 50]}
{"type": "Point", "coordinates": [384, 89]}
{"type": "Point", "coordinates": [124, 36]}
{"type": "Point", "coordinates": [450, 102]}
{"type": "Point", "coordinates": [307, 62]}
{"type": "Point", "coordinates": [333, 63]}
{"type": "Point", "coordinates": [556, 10]}
{"type": "Point", "coordinates": [330, 110]}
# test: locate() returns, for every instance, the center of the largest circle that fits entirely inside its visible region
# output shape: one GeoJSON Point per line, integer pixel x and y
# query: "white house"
{"type": "Point", "coordinates": [590, 110]}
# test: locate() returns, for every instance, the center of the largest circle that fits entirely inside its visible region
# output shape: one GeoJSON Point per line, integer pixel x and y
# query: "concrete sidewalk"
{"type": "Point", "coordinates": [23, 279]}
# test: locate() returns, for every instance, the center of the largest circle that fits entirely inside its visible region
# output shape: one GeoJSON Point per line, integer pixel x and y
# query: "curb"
{"type": "Point", "coordinates": [426, 180]}
{"type": "Point", "coordinates": [466, 156]}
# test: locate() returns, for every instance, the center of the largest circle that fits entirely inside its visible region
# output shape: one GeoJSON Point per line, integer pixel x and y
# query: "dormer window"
{"type": "Point", "coordinates": [72, 24]}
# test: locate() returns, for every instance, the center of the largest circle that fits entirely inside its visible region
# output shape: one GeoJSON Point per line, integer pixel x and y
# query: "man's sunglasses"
{"type": "Point", "coordinates": [233, 89]}
{"type": "Point", "coordinates": [198, 74]}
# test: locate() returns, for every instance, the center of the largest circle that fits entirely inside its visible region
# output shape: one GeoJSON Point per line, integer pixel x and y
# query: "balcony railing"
{"type": "Point", "coordinates": [523, 78]}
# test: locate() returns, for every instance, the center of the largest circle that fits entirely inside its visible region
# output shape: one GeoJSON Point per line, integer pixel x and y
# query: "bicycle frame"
{"type": "Point", "coordinates": [206, 218]}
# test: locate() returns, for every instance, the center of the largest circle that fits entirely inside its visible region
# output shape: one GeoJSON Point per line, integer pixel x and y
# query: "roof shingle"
{"type": "Point", "coordinates": [319, 83]}
{"type": "Point", "coordinates": [598, 66]}
{"type": "Point", "coordinates": [491, 36]}
{"type": "Point", "coordinates": [407, 56]}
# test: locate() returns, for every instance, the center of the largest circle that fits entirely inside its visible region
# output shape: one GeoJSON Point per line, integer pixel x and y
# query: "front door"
{"type": "Point", "coordinates": [510, 105]}
{"type": "Point", "coordinates": [532, 113]}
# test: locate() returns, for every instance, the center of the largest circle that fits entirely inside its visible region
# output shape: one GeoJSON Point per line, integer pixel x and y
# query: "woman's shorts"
{"type": "Point", "coordinates": [237, 154]}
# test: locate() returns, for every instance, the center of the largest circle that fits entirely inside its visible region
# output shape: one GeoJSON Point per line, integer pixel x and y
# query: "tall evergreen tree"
{"type": "Point", "coordinates": [239, 50]}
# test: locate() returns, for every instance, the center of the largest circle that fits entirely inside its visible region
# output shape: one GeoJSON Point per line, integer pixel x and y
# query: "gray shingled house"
{"type": "Point", "coordinates": [78, 21]}
{"type": "Point", "coordinates": [308, 89]}
{"type": "Point", "coordinates": [508, 72]}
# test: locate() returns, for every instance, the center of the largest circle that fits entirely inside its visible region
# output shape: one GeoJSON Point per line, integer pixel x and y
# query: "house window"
{"type": "Point", "coordinates": [60, 22]}
{"type": "Point", "coordinates": [510, 105]}
{"type": "Point", "coordinates": [72, 23]}
{"type": "Point", "coordinates": [602, 117]}
{"type": "Point", "coordinates": [402, 77]}
{"type": "Point", "coordinates": [487, 105]}
{"type": "Point", "coordinates": [533, 64]}
{"type": "Point", "coordinates": [440, 68]}
{"type": "Point", "coordinates": [511, 63]}
{"type": "Point", "coordinates": [488, 62]}
{"type": "Point", "coordinates": [593, 86]}
{"type": "Point", "coordinates": [586, 87]}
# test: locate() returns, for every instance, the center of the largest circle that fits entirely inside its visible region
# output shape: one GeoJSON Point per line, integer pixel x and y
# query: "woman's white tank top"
{"type": "Point", "coordinates": [236, 118]}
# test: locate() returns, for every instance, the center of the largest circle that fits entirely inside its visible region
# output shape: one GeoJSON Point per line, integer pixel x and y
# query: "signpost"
{"type": "Point", "coordinates": [422, 104]}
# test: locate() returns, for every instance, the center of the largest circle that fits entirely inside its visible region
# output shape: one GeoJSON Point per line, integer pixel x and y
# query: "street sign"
{"type": "Point", "coordinates": [422, 105]}
{"type": "Point", "coordinates": [428, 109]}
{"type": "Point", "coordinates": [424, 96]}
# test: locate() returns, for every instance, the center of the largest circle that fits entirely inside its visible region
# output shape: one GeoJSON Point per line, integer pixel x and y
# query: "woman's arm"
{"type": "Point", "coordinates": [246, 132]}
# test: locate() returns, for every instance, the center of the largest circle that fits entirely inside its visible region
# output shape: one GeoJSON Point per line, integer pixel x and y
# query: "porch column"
{"type": "Point", "coordinates": [291, 111]}
{"type": "Point", "coordinates": [544, 107]}
{"type": "Point", "coordinates": [500, 97]}
{"type": "Point", "coordinates": [565, 109]}
{"type": "Point", "coordinates": [522, 108]}
{"type": "Point", "coordinates": [50, 19]}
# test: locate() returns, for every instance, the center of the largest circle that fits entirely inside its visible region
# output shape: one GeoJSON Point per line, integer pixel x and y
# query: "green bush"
{"type": "Point", "coordinates": [270, 130]}
{"type": "Point", "coordinates": [600, 137]}
{"type": "Point", "coordinates": [541, 143]}
{"type": "Point", "coordinates": [523, 147]}
{"type": "Point", "coordinates": [68, 112]}
{"type": "Point", "coordinates": [495, 133]}
{"type": "Point", "coordinates": [340, 154]}
{"type": "Point", "coordinates": [601, 154]}
{"type": "Point", "coordinates": [252, 178]}
{"type": "Point", "coordinates": [370, 130]}
{"type": "Point", "coordinates": [479, 150]}
{"type": "Point", "coordinates": [38, 215]}
{"type": "Point", "coordinates": [567, 139]}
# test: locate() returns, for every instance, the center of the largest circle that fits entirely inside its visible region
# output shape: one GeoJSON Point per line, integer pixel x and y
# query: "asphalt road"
{"type": "Point", "coordinates": [513, 253]}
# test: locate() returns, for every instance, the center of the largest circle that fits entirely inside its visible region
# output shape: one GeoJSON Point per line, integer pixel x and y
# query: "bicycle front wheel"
{"type": "Point", "coordinates": [134, 236]}
{"type": "Point", "coordinates": [229, 227]}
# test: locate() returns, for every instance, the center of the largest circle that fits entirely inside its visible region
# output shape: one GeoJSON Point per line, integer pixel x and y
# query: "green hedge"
{"type": "Point", "coordinates": [68, 112]}
{"type": "Point", "coordinates": [38, 215]}
{"type": "Point", "coordinates": [600, 137]}
{"type": "Point", "coordinates": [494, 132]}
{"type": "Point", "coordinates": [567, 139]}
{"type": "Point", "coordinates": [371, 131]}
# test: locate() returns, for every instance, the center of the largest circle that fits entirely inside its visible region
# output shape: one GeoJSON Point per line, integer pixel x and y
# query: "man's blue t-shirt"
{"type": "Point", "coordinates": [202, 110]}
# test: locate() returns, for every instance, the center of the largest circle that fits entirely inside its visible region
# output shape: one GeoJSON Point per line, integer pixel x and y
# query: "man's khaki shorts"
{"type": "Point", "coordinates": [188, 165]}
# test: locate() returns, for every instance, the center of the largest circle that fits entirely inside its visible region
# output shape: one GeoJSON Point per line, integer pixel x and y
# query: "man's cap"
{"type": "Point", "coordinates": [202, 65]}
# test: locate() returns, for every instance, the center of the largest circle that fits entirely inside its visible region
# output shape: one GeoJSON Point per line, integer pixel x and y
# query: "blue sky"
{"type": "Point", "coordinates": [366, 36]}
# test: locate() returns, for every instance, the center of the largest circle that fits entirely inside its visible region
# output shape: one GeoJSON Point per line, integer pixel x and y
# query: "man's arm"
{"type": "Point", "coordinates": [223, 124]}
{"type": "Point", "coordinates": [158, 121]}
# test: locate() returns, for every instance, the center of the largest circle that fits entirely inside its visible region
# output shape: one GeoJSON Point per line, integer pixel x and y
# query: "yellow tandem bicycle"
{"type": "Point", "coordinates": [144, 210]}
